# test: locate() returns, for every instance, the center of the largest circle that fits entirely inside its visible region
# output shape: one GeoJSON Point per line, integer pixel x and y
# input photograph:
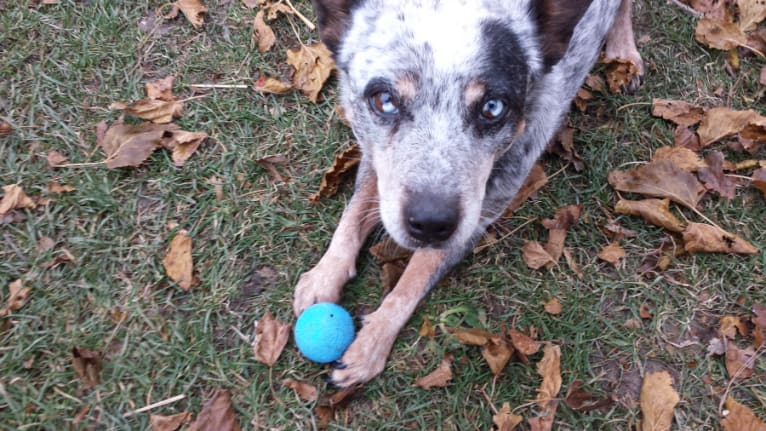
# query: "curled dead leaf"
{"type": "Point", "coordinates": [739, 362]}
{"type": "Point", "coordinates": [305, 391]}
{"type": "Point", "coordinates": [263, 33]}
{"type": "Point", "coordinates": [438, 377]}
{"type": "Point", "coordinates": [161, 89]}
{"type": "Point", "coordinates": [333, 177]}
{"type": "Point", "coordinates": [154, 110]}
{"type": "Point", "coordinates": [535, 255]}
{"type": "Point", "coordinates": [535, 180]}
{"type": "Point", "coordinates": [267, 84]}
{"type": "Point", "coordinates": [612, 253]}
{"type": "Point", "coordinates": [677, 111]}
{"type": "Point", "coordinates": [661, 179]}
{"type": "Point", "coordinates": [217, 414]}
{"type": "Point", "coordinates": [178, 260]}
{"type": "Point", "coordinates": [523, 342]}
{"type": "Point", "coordinates": [497, 352]}
{"type": "Point", "coordinates": [505, 420]}
{"type": "Point", "coordinates": [130, 145]}
{"type": "Point", "coordinates": [183, 144]}
{"type": "Point", "coordinates": [14, 198]}
{"type": "Point", "coordinates": [583, 401]}
{"type": "Point", "coordinates": [169, 423]}
{"type": "Point", "coordinates": [194, 11]}
{"type": "Point", "coordinates": [5, 129]}
{"type": "Point", "coordinates": [17, 297]}
{"type": "Point", "coordinates": [313, 64]}
{"type": "Point", "coordinates": [620, 73]}
{"type": "Point", "coordinates": [699, 237]}
{"type": "Point", "coordinates": [655, 211]}
{"type": "Point", "coordinates": [722, 122]}
{"type": "Point", "coordinates": [471, 337]}
{"type": "Point", "coordinates": [87, 364]}
{"type": "Point", "coordinates": [553, 306]}
{"type": "Point", "coordinates": [719, 34]}
{"type": "Point", "coordinates": [271, 336]}
{"type": "Point", "coordinates": [55, 159]}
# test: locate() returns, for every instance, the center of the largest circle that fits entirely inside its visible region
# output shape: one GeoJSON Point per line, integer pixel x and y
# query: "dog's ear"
{"type": "Point", "coordinates": [333, 18]}
{"type": "Point", "coordinates": [556, 20]}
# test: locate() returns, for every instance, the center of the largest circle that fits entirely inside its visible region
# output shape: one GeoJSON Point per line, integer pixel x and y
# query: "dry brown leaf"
{"type": "Point", "coordinates": [178, 260]}
{"type": "Point", "coordinates": [497, 352]}
{"type": "Point", "coordinates": [721, 122]}
{"type": "Point", "coordinates": [563, 146]}
{"type": "Point", "coordinates": [271, 336]}
{"type": "Point", "coordinates": [266, 84]}
{"type": "Point", "coordinates": [337, 173]}
{"type": "Point", "coordinates": [161, 89]}
{"type": "Point", "coordinates": [62, 256]}
{"type": "Point", "coordinates": [45, 243]}
{"type": "Point", "coordinates": [131, 145]}
{"type": "Point", "coordinates": [677, 111]}
{"type": "Point", "coordinates": [645, 311]}
{"type": "Point", "coordinates": [14, 198]}
{"type": "Point", "coordinates": [305, 391]}
{"type": "Point", "coordinates": [582, 98]}
{"type": "Point", "coordinates": [55, 159]}
{"type": "Point", "coordinates": [719, 34]}
{"type": "Point", "coordinates": [275, 8]}
{"type": "Point", "coordinates": [583, 401]}
{"type": "Point", "coordinates": [534, 182]}
{"type": "Point", "coordinates": [392, 272]}
{"type": "Point", "coordinates": [545, 421]}
{"type": "Point", "coordinates": [154, 110]}
{"type": "Point", "coordinates": [661, 179]}
{"type": "Point", "coordinates": [252, 3]}
{"type": "Point", "coordinates": [427, 329]}
{"type": "Point", "coordinates": [388, 250]}
{"type": "Point", "coordinates": [553, 306]}
{"type": "Point", "coordinates": [194, 11]}
{"type": "Point", "coordinates": [87, 364]}
{"type": "Point", "coordinates": [183, 144]}
{"type": "Point", "coordinates": [169, 423]}
{"type": "Point", "coordinates": [270, 163]}
{"type": "Point", "coordinates": [741, 418]}
{"type": "Point", "coordinates": [620, 73]}
{"type": "Point", "coordinates": [263, 33]}
{"type": "Point", "coordinates": [471, 337]}
{"type": "Point", "coordinates": [658, 399]}
{"type": "Point", "coordinates": [682, 157]}
{"type": "Point", "coordinates": [57, 188]}
{"type": "Point", "coordinates": [549, 368]}
{"type": "Point", "coordinates": [710, 8]}
{"type": "Point", "coordinates": [684, 137]}
{"type": "Point", "coordinates": [505, 420]}
{"type": "Point", "coordinates": [751, 13]}
{"type": "Point", "coordinates": [313, 64]}
{"type": "Point", "coordinates": [523, 343]}
{"type": "Point", "coordinates": [535, 255]}
{"type": "Point", "coordinates": [558, 226]}
{"type": "Point", "coordinates": [699, 237]}
{"type": "Point", "coordinates": [438, 377]}
{"type": "Point", "coordinates": [655, 211]}
{"type": "Point", "coordinates": [714, 177]}
{"type": "Point", "coordinates": [5, 129]}
{"type": "Point", "coordinates": [17, 296]}
{"type": "Point", "coordinates": [739, 362]}
{"type": "Point", "coordinates": [730, 325]}
{"type": "Point", "coordinates": [329, 403]}
{"type": "Point", "coordinates": [217, 414]}
{"type": "Point", "coordinates": [612, 253]}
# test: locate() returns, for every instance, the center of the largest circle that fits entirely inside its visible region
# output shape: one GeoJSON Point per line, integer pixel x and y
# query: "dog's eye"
{"type": "Point", "coordinates": [493, 109]}
{"type": "Point", "coordinates": [384, 103]}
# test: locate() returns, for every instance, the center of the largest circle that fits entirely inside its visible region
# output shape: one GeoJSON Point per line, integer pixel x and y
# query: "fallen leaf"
{"type": "Point", "coordinates": [739, 362]}
{"type": "Point", "coordinates": [612, 253]}
{"type": "Point", "coordinates": [644, 311]}
{"type": "Point", "coordinates": [5, 129]}
{"type": "Point", "coordinates": [558, 226]}
{"type": "Point", "coordinates": [270, 163]}
{"type": "Point", "coordinates": [169, 423]}
{"type": "Point", "coordinates": [552, 306]}
{"type": "Point", "coordinates": [730, 325]}
{"type": "Point", "coordinates": [17, 297]}
{"type": "Point", "coordinates": [55, 159]}
{"type": "Point", "coordinates": [471, 337]}
{"type": "Point", "coordinates": [620, 73]}
{"type": "Point", "coordinates": [563, 146]}
{"type": "Point", "coordinates": [313, 64]}
{"type": "Point", "coordinates": [252, 3]}
{"type": "Point", "coordinates": [217, 414]}
{"type": "Point", "coordinates": [699, 237]}
{"type": "Point", "coordinates": [183, 144]}
{"type": "Point", "coordinates": [721, 122]}
{"type": "Point", "coordinates": [275, 8]}
{"type": "Point", "coordinates": [710, 8]}
{"type": "Point", "coordinates": [14, 198]}
{"type": "Point", "coordinates": [194, 11]}
{"type": "Point", "coordinates": [759, 180]}
{"type": "Point", "coordinates": [741, 418]}
{"type": "Point", "coordinates": [684, 137]}
{"type": "Point", "coordinates": [658, 399]}
{"type": "Point", "coordinates": [178, 260]}
{"type": "Point", "coordinates": [305, 391]}
{"type": "Point", "coordinates": [497, 352]}
{"type": "Point", "coordinates": [57, 188]}
{"type": "Point", "coordinates": [661, 179]}
{"type": "Point", "coordinates": [583, 401]}
{"type": "Point", "coordinates": [751, 13]}
{"type": "Point", "coordinates": [266, 84]}
{"type": "Point", "coordinates": [719, 34]}
{"type": "Point", "coordinates": [392, 272]}
{"type": "Point", "coordinates": [678, 112]}
{"type": "Point", "coordinates": [161, 89]}
{"type": "Point", "coordinates": [130, 145]}
{"type": "Point", "coordinates": [523, 343]}
{"type": "Point", "coordinates": [535, 255]}
{"type": "Point", "coordinates": [45, 243]}
{"type": "Point", "coordinates": [505, 420]}
{"type": "Point", "coordinates": [714, 178]}
{"type": "Point", "coordinates": [62, 256]}
{"type": "Point", "coordinates": [439, 377]}
{"type": "Point", "coordinates": [655, 211]}
{"type": "Point", "coordinates": [684, 158]}
{"type": "Point", "coordinates": [337, 173]}
{"type": "Point", "coordinates": [549, 368]}
{"type": "Point", "coordinates": [87, 364]}
{"type": "Point", "coordinates": [427, 329]}
{"type": "Point", "coordinates": [263, 33]}
{"type": "Point", "coordinates": [328, 404]}
{"type": "Point", "coordinates": [388, 250]}
{"type": "Point", "coordinates": [271, 336]}
{"type": "Point", "coordinates": [535, 180]}
{"type": "Point", "coordinates": [154, 110]}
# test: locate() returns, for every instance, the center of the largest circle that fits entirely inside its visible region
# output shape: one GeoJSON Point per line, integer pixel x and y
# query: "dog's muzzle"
{"type": "Point", "coordinates": [431, 219]}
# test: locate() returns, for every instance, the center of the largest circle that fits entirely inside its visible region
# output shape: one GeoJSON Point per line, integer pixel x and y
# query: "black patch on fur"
{"type": "Point", "coordinates": [556, 21]}
{"type": "Point", "coordinates": [333, 17]}
{"type": "Point", "coordinates": [504, 71]}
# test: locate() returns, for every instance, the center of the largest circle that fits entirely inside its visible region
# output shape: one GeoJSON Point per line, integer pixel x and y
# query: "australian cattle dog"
{"type": "Point", "coordinates": [452, 102]}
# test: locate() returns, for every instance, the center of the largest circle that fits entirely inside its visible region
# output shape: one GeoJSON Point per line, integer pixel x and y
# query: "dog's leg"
{"type": "Point", "coordinates": [324, 282]}
{"type": "Point", "coordinates": [621, 44]}
{"type": "Point", "coordinates": [366, 356]}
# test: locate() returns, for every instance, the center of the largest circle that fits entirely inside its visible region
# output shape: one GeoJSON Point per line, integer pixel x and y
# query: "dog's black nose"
{"type": "Point", "coordinates": [431, 219]}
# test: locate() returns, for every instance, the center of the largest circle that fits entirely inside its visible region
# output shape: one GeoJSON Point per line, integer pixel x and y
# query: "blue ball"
{"type": "Point", "coordinates": [323, 332]}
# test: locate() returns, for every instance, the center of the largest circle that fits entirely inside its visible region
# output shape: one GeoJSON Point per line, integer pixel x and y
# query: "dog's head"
{"type": "Point", "coordinates": [435, 91]}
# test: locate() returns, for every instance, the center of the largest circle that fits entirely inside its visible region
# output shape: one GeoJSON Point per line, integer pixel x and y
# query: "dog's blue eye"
{"type": "Point", "coordinates": [493, 109]}
{"type": "Point", "coordinates": [384, 103]}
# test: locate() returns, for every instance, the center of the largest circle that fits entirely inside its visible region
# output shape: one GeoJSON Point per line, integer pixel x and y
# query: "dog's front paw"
{"type": "Point", "coordinates": [323, 283]}
{"type": "Point", "coordinates": [366, 357]}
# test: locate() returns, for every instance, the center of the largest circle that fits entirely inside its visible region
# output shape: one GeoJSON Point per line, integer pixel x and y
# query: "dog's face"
{"type": "Point", "coordinates": [435, 92]}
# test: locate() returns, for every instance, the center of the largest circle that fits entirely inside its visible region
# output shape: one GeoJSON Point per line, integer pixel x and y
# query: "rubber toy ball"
{"type": "Point", "coordinates": [323, 332]}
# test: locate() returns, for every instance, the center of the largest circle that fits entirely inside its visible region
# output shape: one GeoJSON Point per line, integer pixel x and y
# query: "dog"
{"type": "Point", "coordinates": [451, 102]}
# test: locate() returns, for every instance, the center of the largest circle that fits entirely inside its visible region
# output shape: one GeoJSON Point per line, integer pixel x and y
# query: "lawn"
{"type": "Point", "coordinates": [101, 285]}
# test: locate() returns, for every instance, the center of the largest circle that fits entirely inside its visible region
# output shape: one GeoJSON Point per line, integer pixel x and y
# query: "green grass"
{"type": "Point", "coordinates": [63, 65]}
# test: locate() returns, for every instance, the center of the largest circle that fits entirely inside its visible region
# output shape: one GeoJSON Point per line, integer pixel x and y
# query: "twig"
{"type": "Point", "coordinates": [686, 7]}
{"type": "Point", "coordinates": [305, 20]}
{"type": "Point", "coordinates": [155, 405]}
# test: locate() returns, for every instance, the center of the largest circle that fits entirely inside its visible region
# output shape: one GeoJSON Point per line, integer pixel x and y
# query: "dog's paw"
{"type": "Point", "coordinates": [366, 356]}
{"type": "Point", "coordinates": [323, 283]}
